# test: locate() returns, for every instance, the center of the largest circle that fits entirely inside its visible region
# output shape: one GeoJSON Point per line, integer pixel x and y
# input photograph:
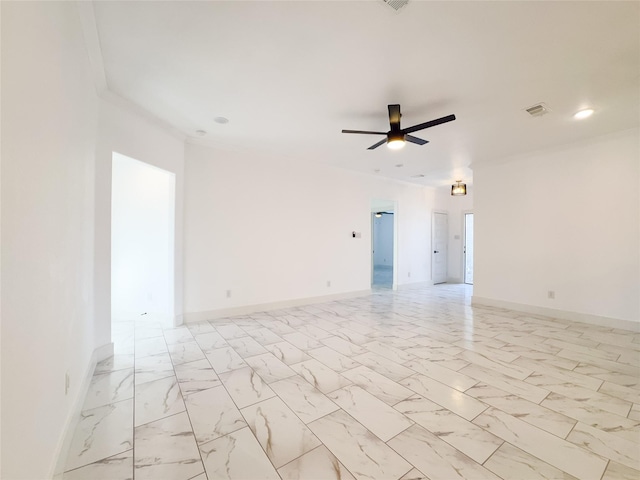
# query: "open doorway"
{"type": "Point", "coordinates": [142, 243]}
{"type": "Point", "coordinates": [383, 251]}
{"type": "Point", "coordinates": [468, 248]}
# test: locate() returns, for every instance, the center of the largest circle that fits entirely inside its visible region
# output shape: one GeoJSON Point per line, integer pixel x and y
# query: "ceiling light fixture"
{"type": "Point", "coordinates": [582, 114]}
{"type": "Point", "coordinates": [395, 140]}
{"type": "Point", "coordinates": [459, 189]}
{"type": "Point", "coordinates": [378, 214]}
{"type": "Point", "coordinates": [221, 120]}
{"type": "Point", "coordinates": [201, 133]}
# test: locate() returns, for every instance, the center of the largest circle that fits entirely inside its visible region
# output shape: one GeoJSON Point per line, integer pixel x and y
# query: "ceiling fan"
{"type": "Point", "coordinates": [396, 136]}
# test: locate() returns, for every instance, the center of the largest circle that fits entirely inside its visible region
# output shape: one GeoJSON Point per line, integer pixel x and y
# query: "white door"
{"type": "Point", "coordinates": [468, 248]}
{"type": "Point", "coordinates": [439, 237]}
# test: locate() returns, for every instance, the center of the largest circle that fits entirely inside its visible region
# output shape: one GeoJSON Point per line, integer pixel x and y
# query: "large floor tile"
{"type": "Point", "coordinates": [157, 399]}
{"type": "Point", "coordinates": [436, 458]}
{"type": "Point", "coordinates": [306, 401]}
{"type": "Point", "coordinates": [269, 367]}
{"type": "Point", "coordinates": [101, 433]}
{"type": "Point", "coordinates": [364, 454]}
{"type": "Point", "coordinates": [378, 385]}
{"type": "Point", "coordinates": [280, 432]}
{"type": "Point", "coordinates": [320, 376]}
{"type": "Point", "coordinates": [237, 456]}
{"type": "Point", "coordinates": [213, 414]}
{"type": "Point", "coordinates": [118, 467]}
{"type": "Point", "coordinates": [319, 464]}
{"type": "Point", "coordinates": [246, 387]}
{"type": "Point", "coordinates": [196, 376]}
{"type": "Point", "coordinates": [166, 449]}
{"type": "Point", "coordinates": [510, 462]}
{"type": "Point", "coordinates": [381, 419]}
{"type": "Point", "coordinates": [107, 388]}
{"type": "Point", "coordinates": [459, 403]}
{"type": "Point", "coordinates": [557, 452]}
{"type": "Point", "coordinates": [470, 439]}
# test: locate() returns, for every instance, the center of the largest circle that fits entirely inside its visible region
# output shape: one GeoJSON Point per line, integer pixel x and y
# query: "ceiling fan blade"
{"type": "Point", "coordinates": [394, 117]}
{"type": "Point", "coordinates": [364, 131]}
{"type": "Point", "coordinates": [412, 139]}
{"type": "Point", "coordinates": [432, 123]}
{"type": "Point", "coordinates": [376, 145]}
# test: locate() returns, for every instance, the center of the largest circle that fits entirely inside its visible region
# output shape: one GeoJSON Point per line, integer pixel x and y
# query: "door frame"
{"type": "Point", "coordinates": [378, 205]}
{"type": "Point", "coordinates": [433, 216]}
{"type": "Point", "coordinates": [464, 243]}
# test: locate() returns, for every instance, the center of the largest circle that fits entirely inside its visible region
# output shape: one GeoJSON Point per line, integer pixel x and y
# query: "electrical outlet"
{"type": "Point", "coordinates": [67, 383]}
{"type": "Point", "coordinates": [551, 295]}
{"type": "Point", "coordinates": [228, 293]}
{"type": "Point", "coordinates": [328, 283]}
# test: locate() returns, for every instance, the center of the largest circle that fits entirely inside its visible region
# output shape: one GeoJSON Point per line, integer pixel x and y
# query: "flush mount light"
{"type": "Point", "coordinates": [395, 140]}
{"type": "Point", "coordinates": [459, 189]}
{"type": "Point", "coordinates": [399, 165]}
{"type": "Point", "coordinates": [582, 114]}
{"type": "Point", "coordinates": [221, 120]}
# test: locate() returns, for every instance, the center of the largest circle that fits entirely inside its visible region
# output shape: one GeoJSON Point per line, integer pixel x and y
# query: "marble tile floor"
{"type": "Point", "coordinates": [412, 384]}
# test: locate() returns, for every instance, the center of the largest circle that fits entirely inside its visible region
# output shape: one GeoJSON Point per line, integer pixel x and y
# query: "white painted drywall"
{"type": "Point", "coordinates": [49, 115]}
{"type": "Point", "coordinates": [272, 230]}
{"type": "Point", "coordinates": [125, 132]}
{"type": "Point", "coordinates": [383, 240]}
{"type": "Point", "coordinates": [565, 220]}
{"type": "Point", "coordinates": [142, 240]}
{"type": "Point", "coordinates": [455, 207]}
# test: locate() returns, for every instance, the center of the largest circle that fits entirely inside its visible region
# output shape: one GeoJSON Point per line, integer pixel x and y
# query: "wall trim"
{"type": "Point", "coordinates": [194, 317]}
{"type": "Point", "coordinates": [563, 314]}
{"type": "Point", "coordinates": [101, 353]}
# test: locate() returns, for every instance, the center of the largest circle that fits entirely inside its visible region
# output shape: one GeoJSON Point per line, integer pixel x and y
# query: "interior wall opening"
{"type": "Point", "coordinates": [383, 244]}
{"type": "Point", "coordinates": [142, 245]}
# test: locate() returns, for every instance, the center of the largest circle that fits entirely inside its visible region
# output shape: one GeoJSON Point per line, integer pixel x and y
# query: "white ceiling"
{"type": "Point", "coordinates": [291, 75]}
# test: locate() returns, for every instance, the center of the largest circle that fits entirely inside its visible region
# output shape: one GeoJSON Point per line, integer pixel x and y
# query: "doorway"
{"type": "Point", "coordinates": [468, 248]}
{"type": "Point", "coordinates": [142, 242]}
{"type": "Point", "coordinates": [439, 239]}
{"type": "Point", "coordinates": [382, 248]}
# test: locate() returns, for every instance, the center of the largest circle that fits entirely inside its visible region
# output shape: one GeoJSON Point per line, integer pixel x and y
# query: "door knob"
{"type": "Point", "coordinates": [436, 251]}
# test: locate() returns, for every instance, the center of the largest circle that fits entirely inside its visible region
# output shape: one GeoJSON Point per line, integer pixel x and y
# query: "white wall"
{"type": "Point", "coordinates": [564, 220]}
{"type": "Point", "coordinates": [49, 112]}
{"type": "Point", "coordinates": [273, 230]}
{"type": "Point", "coordinates": [142, 239]}
{"type": "Point", "coordinates": [383, 240]}
{"type": "Point", "coordinates": [132, 135]}
{"type": "Point", "coordinates": [455, 207]}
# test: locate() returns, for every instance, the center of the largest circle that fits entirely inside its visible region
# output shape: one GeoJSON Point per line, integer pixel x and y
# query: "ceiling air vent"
{"type": "Point", "coordinates": [537, 110]}
{"type": "Point", "coordinates": [396, 4]}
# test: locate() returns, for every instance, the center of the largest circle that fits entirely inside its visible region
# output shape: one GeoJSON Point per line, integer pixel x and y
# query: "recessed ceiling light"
{"type": "Point", "coordinates": [201, 133]}
{"type": "Point", "coordinates": [221, 120]}
{"type": "Point", "coordinates": [377, 170]}
{"type": "Point", "coordinates": [582, 114]}
{"type": "Point", "coordinates": [399, 165]}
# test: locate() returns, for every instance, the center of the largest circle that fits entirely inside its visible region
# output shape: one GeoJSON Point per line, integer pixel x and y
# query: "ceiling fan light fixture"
{"type": "Point", "coordinates": [395, 141]}
{"type": "Point", "coordinates": [459, 189]}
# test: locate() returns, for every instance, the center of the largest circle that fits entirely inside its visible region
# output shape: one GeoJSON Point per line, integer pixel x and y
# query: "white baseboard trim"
{"type": "Point", "coordinates": [409, 286]}
{"type": "Point", "coordinates": [99, 354]}
{"type": "Point", "coordinates": [194, 317]}
{"type": "Point", "coordinates": [563, 314]}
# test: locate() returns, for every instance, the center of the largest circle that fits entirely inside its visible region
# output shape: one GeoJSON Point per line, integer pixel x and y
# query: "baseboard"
{"type": "Point", "coordinates": [409, 286]}
{"type": "Point", "coordinates": [194, 317]}
{"type": "Point", "coordinates": [563, 314]}
{"type": "Point", "coordinates": [99, 354]}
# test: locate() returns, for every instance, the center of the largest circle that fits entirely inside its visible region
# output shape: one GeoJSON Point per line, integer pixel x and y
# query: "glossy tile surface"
{"type": "Point", "coordinates": [406, 385]}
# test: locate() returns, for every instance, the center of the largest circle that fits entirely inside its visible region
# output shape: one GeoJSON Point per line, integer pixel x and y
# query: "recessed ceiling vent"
{"type": "Point", "coordinates": [537, 110]}
{"type": "Point", "coordinates": [396, 4]}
